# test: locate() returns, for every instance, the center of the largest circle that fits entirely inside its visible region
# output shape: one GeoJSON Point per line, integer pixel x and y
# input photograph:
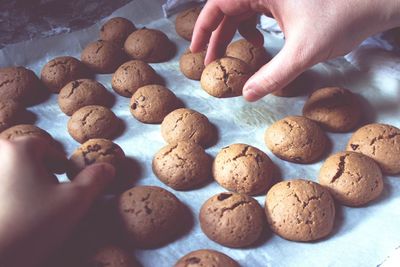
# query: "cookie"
{"type": "Point", "coordinates": [185, 21]}
{"type": "Point", "coordinates": [132, 75]}
{"type": "Point", "coordinates": [187, 125]}
{"type": "Point", "coordinates": [254, 56]}
{"type": "Point", "coordinates": [96, 151]}
{"type": "Point", "coordinates": [60, 71]}
{"type": "Point", "coordinates": [296, 139]}
{"type": "Point", "coordinates": [10, 114]}
{"type": "Point", "coordinates": [334, 109]}
{"type": "Point", "coordinates": [300, 210]}
{"type": "Point", "coordinates": [192, 64]}
{"type": "Point", "coordinates": [381, 142]}
{"type": "Point", "coordinates": [352, 178]}
{"type": "Point", "coordinates": [111, 256]}
{"type": "Point", "coordinates": [18, 84]}
{"type": "Point", "coordinates": [243, 169]}
{"type": "Point", "coordinates": [225, 77]}
{"type": "Point", "coordinates": [117, 30]}
{"type": "Point", "coordinates": [93, 122]}
{"type": "Point", "coordinates": [149, 45]}
{"type": "Point", "coordinates": [25, 130]}
{"type": "Point", "coordinates": [80, 93]}
{"type": "Point", "coordinates": [151, 103]}
{"type": "Point", "coordinates": [150, 215]}
{"type": "Point", "coordinates": [206, 257]}
{"type": "Point", "coordinates": [182, 166]}
{"type": "Point", "coordinates": [232, 220]}
{"type": "Point", "coordinates": [102, 56]}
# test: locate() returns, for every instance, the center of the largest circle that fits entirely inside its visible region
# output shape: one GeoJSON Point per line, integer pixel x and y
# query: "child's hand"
{"type": "Point", "coordinates": [36, 212]}
{"type": "Point", "coordinates": [315, 30]}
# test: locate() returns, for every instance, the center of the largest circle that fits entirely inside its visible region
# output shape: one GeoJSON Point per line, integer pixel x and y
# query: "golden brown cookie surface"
{"type": "Point", "coordinates": [21, 130]}
{"type": "Point", "coordinates": [117, 30]}
{"type": "Point", "coordinates": [192, 64]}
{"type": "Point", "coordinates": [185, 21]}
{"type": "Point", "coordinates": [206, 257]}
{"type": "Point", "coordinates": [254, 56]}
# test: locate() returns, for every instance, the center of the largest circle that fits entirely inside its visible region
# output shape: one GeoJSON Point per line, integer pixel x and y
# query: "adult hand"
{"type": "Point", "coordinates": [37, 213]}
{"type": "Point", "coordinates": [314, 31]}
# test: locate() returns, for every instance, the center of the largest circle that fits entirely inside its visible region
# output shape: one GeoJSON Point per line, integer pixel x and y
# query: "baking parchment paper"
{"type": "Point", "coordinates": [361, 237]}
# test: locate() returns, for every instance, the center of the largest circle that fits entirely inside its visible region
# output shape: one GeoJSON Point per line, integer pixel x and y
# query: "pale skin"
{"type": "Point", "coordinates": [314, 30]}
{"type": "Point", "coordinates": [37, 213]}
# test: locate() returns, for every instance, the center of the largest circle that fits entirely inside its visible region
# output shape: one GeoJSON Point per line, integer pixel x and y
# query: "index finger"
{"type": "Point", "coordinates": [208, 21]}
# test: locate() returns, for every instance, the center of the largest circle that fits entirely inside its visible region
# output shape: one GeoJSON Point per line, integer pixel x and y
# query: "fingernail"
{"type": "Point", "coordinates": [250, 93]}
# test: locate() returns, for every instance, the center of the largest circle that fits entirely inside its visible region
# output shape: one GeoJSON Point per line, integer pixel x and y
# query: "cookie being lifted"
{"type": "Point", "coordinates": [225, 77]}
{"type": "Point", "coordinates": [254, 56]}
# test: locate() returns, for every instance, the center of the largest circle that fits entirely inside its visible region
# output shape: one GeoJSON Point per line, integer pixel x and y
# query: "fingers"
{"type": "Point", "coordinates": [279, 72]}
{"type": "Point", "coordinates": [220, 39]}
{"type": "Point", "coordinates": [208, 20]}
{"type": "Point", "coordinates": [249, 31]}
{"type": "Point", "coordinates": [93, 180]}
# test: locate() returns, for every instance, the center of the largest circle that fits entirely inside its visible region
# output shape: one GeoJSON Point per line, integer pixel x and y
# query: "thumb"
{"type": "Point", "coordinates": [289, 63]}
{"type": "Point", "coordinates": [93, 180]}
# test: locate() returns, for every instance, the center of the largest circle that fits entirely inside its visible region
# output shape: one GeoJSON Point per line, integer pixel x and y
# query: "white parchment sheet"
{"type": "Point", "coordinates": [362, 236]}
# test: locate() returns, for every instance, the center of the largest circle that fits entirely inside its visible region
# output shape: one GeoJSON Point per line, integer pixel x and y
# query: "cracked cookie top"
{"type": "Point", "coordinates": [335, 109]}
{"type": "Point", "coordinates": [225, 77]}
{"type": "Point", "coordinates": [182, 166]}
{"type": "Point", "coordinates": [10, 113]}
{"type": "Point", "coordinates": [353, 178]}
{"type": "Point", "coordinates": [80, 93]}
{"type": "Point", "coordinates": [102, 56]}
{"type": "Point", "coordinates": [185, 21]}
{"type": "Point", "coordinates": [18, 84]}
{"type": "Point", "coordinates": [205, 258]}
{"type": "Point", "coordinates": [151, 103]}
{"type": "Point", "coordinates": [381, 142]}
{"type": "Point", "coordinates": [192, 64]}
{"type": "Point", "coordinates": [93, 122]}
{"type": "Point", "coordinates": [150, 215]}
{"type": "Point", "coordinates": [232, 220]}
{"type": "Point", "coordinates": [187, 125]}
{"type": "Point", "coordinates": [132, 75]}
{"type": "Point", "coordinates": [300, 210]}
{"type": "Point", "coordinates": [296, 139]}
{"type": "Point", "coordinates": [243, 169]}
{"type": "Point", "coordinates": [149, 45]}
{"type": "Point", "coordinates": [254, 56]}
{"type": "Point", "coordinates": [62, 70]}
{"type": "Point", "coordinates": [117, 30]}
{"type": "Point", "coordinates": [95, 151]}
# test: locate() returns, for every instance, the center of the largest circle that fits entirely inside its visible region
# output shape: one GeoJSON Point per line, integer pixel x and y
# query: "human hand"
{"type": "Point", "coordinates": [314, 31]}
{"type": "Point", "coordinates": [37, 213]}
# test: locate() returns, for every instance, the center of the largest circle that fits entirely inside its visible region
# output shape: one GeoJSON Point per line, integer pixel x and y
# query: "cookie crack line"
{"type": "Point", "coordinates": [243, 153]}
{"type": "Point", "coordinates": [7, 82]}
{"type": "Point", "coordinates": [170, 150]}
{"type": "Point", "coordinates": [99, 48]}
{"type": "Point", "coordinates": [382, 136]}
{"type": "Point", "coordinates": [234, 206]}
{"type": "Point", "coordinates": [341, 168]}
{"type": "Point", "coordinates": [225, 75]}
{"type": "Point", "coordinates": [75, 84]}
{"type": "Point", "coordinates": [56, 63]}
{"type": "Point", "coordinates": [86, 116]}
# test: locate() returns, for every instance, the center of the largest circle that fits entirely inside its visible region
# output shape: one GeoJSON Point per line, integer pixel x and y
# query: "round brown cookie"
{"type": "Point", "coordinates": [25, 130]}
{"type": "Point", "coordinates": [225, 77]}
{"type": "Point", "coordinates": [151, 216]}
{"type": "Point", "coordinates": [103, 56]}
{"type": "Point", "coordinates": [300, 210]}
{"type": "Point", "coordinates": [148, 45]}
{"type": "Point", "coordinates": [352, 178]}
{"type": "Point", "coordinates": [335, 109]}
{"type": "Point", "coordinates": [117, 30]}
{"type": "Point", "coordinates": [192, 64]}
{"type": "Point", "coordinates": [80, 93]}
{"type": "Point", "coordinates": [232, 220]}
{"type": "Point", "coordinates": [254, 56]}
{"type": "Point", "coordinates": [206, 257]}
{"type": "Point", "coordinates": [111, 256]}
{"type": "Point", "coordinates": [18, 84]}
{"type": "Point", "coordinates": [185, 21]}
{"type": "Point", "coordinates": [187, 125]}
{"type": "Point", "coordinates": [93, 122]}
{"type": "Point", "coordinates": [10, 114]}
{"type": "Point", "coordinates": [296, 139]}
{"type": "Point", "coordinates": [151, 103]}
{"type": "Point", "coordinates": [60, 71]}
{"type": "Point", "coordinates": [381, 142]}
{"type": "Point", "coordinates": [182, 166]}
{"type": "Point", "coordinates": [132, 75]}
{"type": "Point", "coordinates": [96, 151]}
{"type": "Point", "coordinates": [243, 169]}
